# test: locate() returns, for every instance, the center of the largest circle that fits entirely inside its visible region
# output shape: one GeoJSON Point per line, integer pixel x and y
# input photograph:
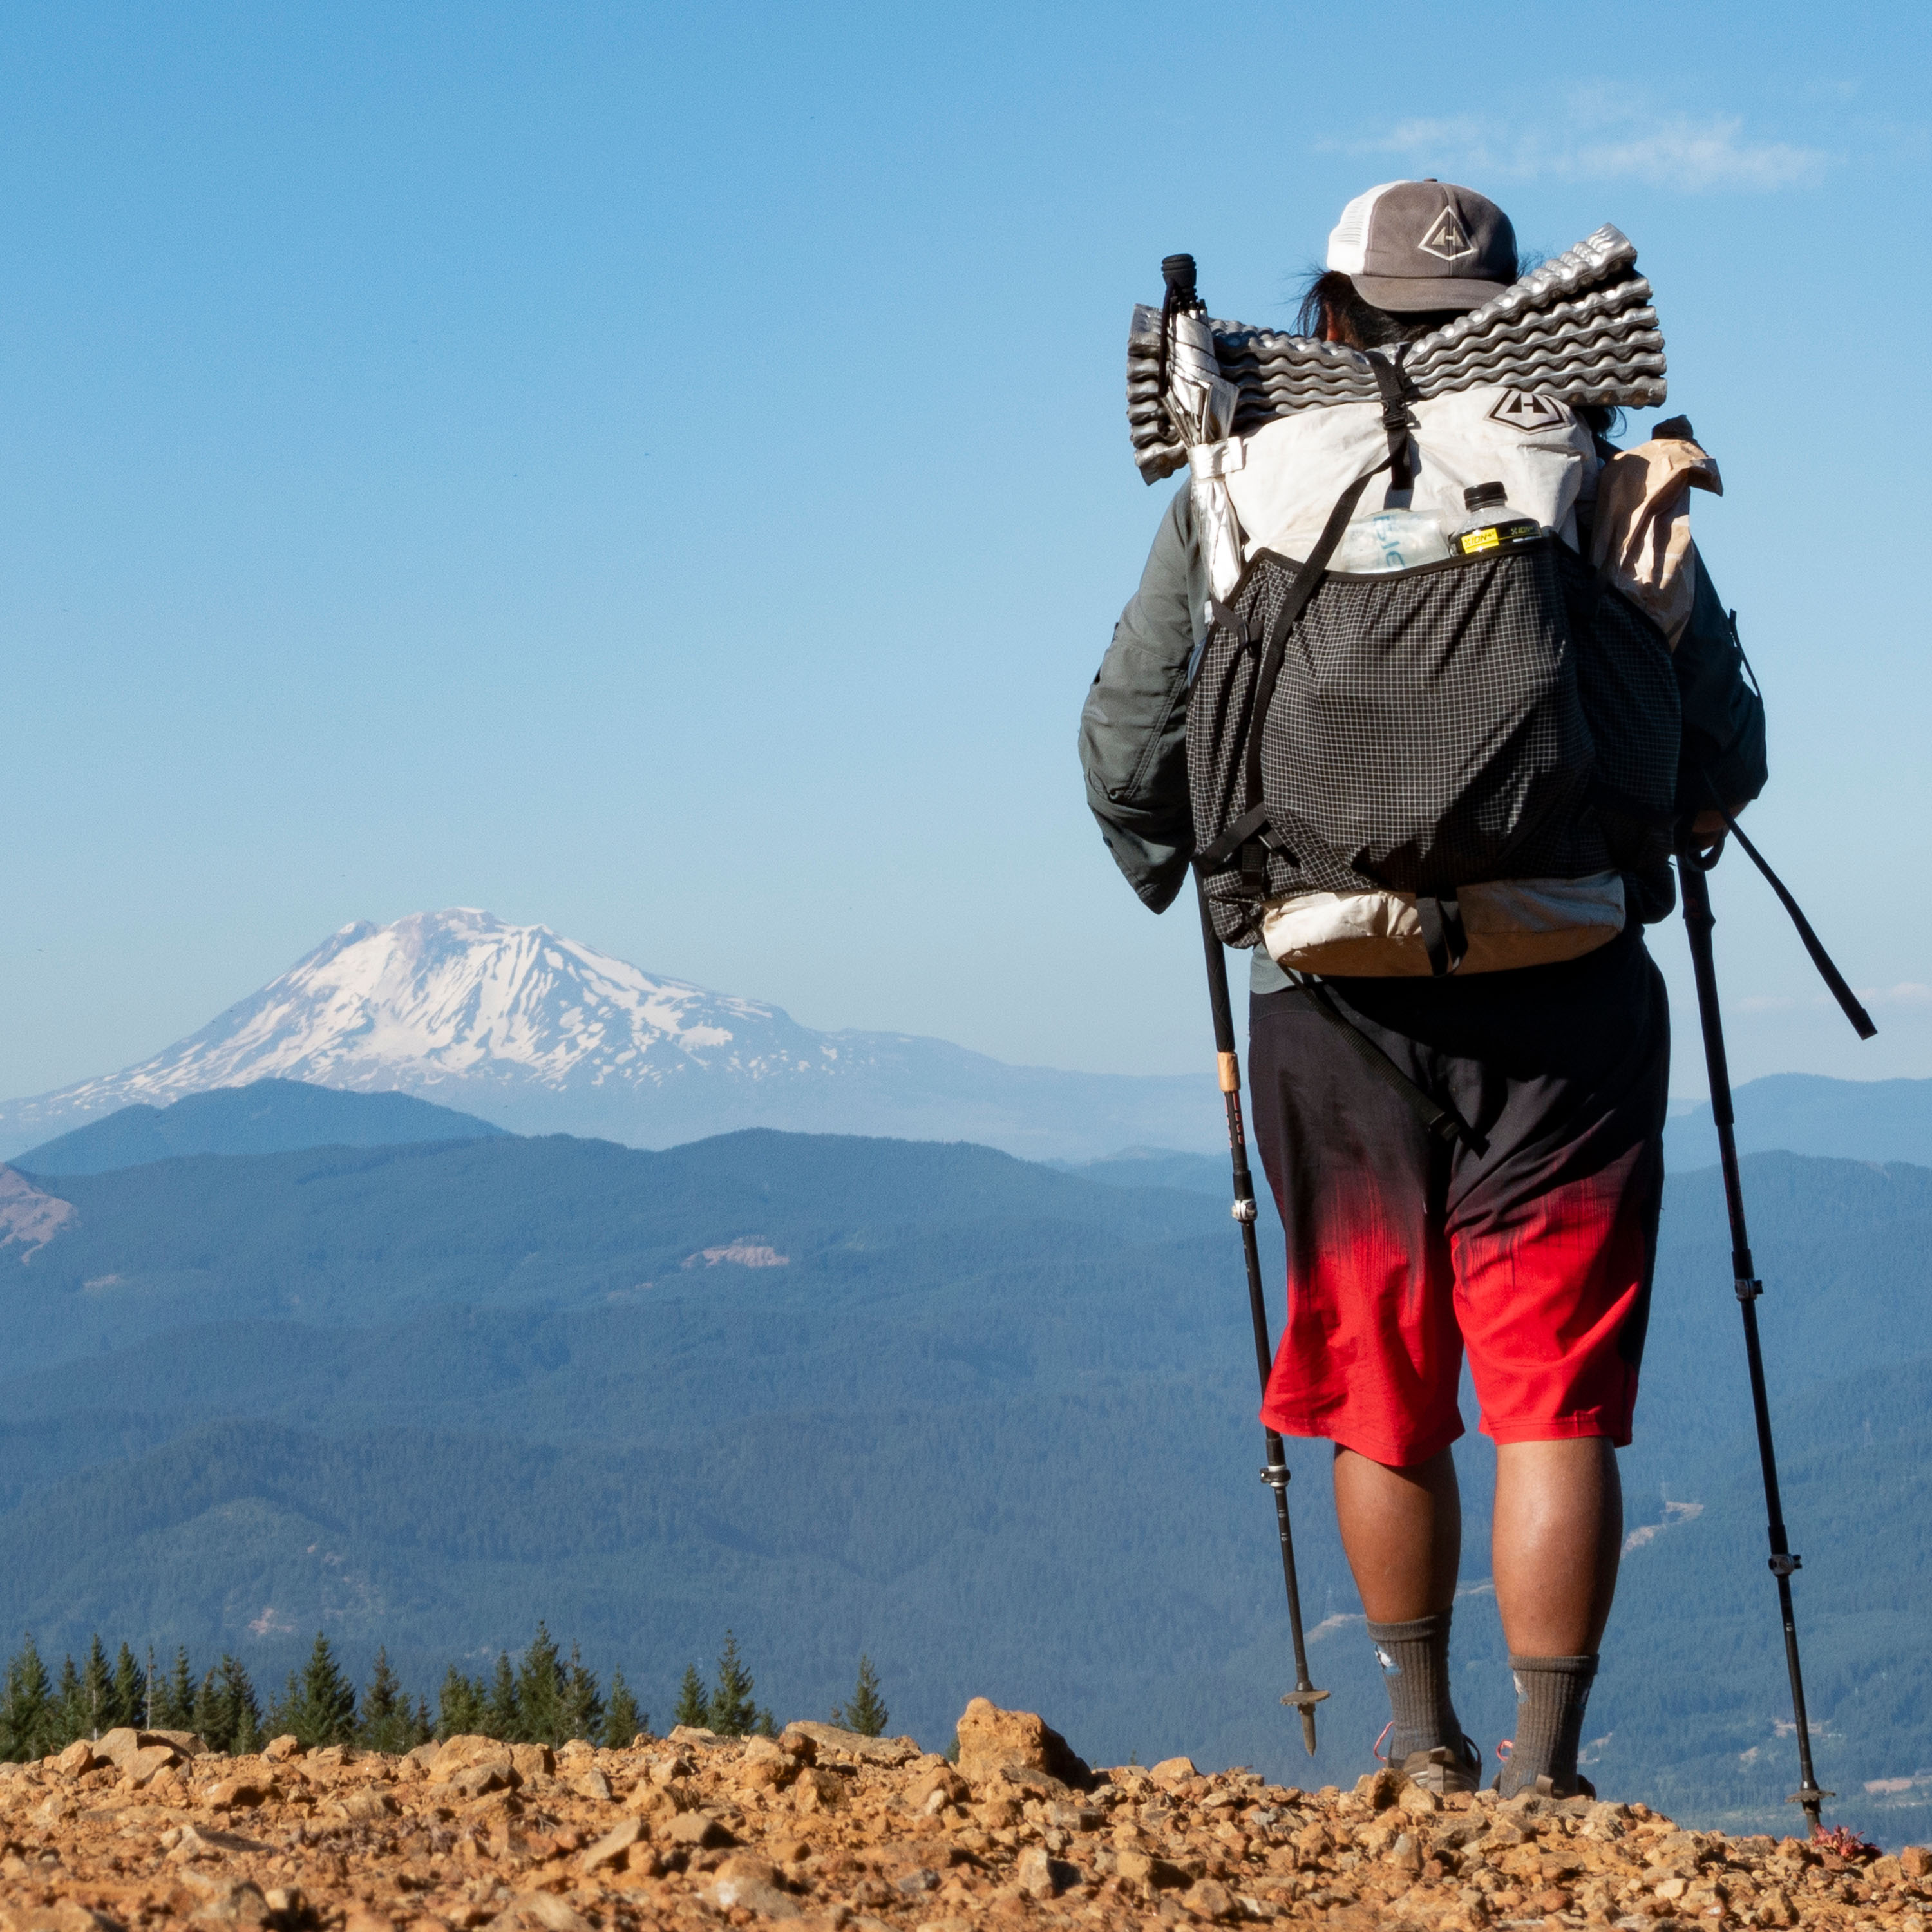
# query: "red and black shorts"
{"type": "Point", "coordinates": [1535, 1257]}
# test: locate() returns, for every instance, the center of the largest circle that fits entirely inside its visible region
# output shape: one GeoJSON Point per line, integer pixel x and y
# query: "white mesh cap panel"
{"type": "Point", "coordinates": [1348, 239]}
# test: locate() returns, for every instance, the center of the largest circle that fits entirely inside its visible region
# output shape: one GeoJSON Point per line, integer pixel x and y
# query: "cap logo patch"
{"type": "Point", "coordinates": [1447, 240]}
{"type": "Point", "coordinates": [1518, 409]}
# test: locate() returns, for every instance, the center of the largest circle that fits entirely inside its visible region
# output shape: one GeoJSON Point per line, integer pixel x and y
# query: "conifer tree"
{"type": "Point", "coordinates": [25, 1708]}
{"type": "Point", "coordinates": [241, 1709]}
{"type": "Point", "coordinates": [866, 1713]}
{"type": "Point", "coordinates": [583, 1707]}
{"type": "Point", "coordinates": [540, 1690]}
{"type": "Point", "coordinates": [460, 1706]}
{"type": "Point", "coordinates": [502, 1717]}
{"type": "Point", "coordinates": [421, 1729]}
{"type": "Point", "coordinates": [69, 1712]}
{"type": "Point", "coordinates": [205, 1720]}
{"type": "Point", "coordinates": [622, 1720]}
{"type": "Point", "coordinates": [321, 1709]}
{"type": "Point", "coordinates": [174, 1697]}
{"type": "Point", "coordinates": [227, 1715]}
{"type": "Point", "coordinates": [694, 1701]}
{"type": "Point", "coordinates": [732, 1712]}
{"type": "Point", "coordinates": [387, 1722]}
{"type": "Point", "coordinates": [96, 1710]}
{"type": "Point", "coordinates": [128, 1705]}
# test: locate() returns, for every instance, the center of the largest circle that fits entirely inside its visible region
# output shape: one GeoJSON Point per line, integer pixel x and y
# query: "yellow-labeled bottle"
{"type": "Point", "coordinates": [1491, 524]}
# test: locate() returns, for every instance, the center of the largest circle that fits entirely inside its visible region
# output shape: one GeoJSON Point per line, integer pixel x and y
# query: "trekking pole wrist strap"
{"type": "Point", "coordinates": [1849, 1003]}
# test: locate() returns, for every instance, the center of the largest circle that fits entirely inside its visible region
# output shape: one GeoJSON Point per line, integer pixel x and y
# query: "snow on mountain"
{"type": "Point", "coordinates": [542, 1033]}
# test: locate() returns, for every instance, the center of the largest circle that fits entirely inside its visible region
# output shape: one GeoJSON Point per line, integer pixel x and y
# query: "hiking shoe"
{"type": "Point", "coordinates": [1443, 1769]}
{"type": "Point", "coordinates": [1580, 1787]}
{"type": "Point", "coordinates": [1545, 1786]}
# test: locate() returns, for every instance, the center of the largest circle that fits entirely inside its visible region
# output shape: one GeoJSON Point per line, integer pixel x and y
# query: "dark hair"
{"type": "Point", "coordinates": [1332, 300]}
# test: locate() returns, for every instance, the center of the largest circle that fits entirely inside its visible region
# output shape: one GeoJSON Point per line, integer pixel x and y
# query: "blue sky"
{"type": "Point", "coordinates": [661, 472]}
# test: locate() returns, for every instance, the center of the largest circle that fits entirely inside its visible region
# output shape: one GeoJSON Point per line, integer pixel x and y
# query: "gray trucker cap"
{"type": "Point", "coordinates": [1413, 245]}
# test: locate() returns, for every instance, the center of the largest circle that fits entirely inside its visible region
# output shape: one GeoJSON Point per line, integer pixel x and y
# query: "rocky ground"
{"type": "Point", "coordinates": [857, 1834]}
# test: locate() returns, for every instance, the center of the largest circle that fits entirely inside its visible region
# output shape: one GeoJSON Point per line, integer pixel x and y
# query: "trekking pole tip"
{"type": "Point", "coordinates": [1305, 1700]}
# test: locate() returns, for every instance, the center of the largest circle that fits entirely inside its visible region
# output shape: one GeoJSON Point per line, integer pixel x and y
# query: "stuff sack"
{"type": "Point", "coordinates": [1442, 769]}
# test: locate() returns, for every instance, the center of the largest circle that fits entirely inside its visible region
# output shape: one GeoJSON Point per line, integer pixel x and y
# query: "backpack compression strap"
{"type": "Point", "coordinates": [1443, 937]}
{"type": "Point", "coordinates": [1397, 391]}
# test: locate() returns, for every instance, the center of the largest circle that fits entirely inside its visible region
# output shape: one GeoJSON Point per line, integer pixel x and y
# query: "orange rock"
{"type": "Point", "coordinates": [143, 1765]}
{"type": "Point", "coordinates": [818, 1790]}
{"type": "Point", "coordinates": [610, 1849]}
{"type": "Point", "coordinates": [1209, 1899]}
{"type": "Point", "coordinates": [991, 1738]}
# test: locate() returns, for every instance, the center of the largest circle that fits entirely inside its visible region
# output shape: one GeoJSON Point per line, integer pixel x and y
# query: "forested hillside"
{"type": "Point", "coordinates": [991, 1423]}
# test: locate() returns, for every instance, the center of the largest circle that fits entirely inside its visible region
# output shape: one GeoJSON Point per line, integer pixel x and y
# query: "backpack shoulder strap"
{"type": "Point", "coordinates": [1253, 822]}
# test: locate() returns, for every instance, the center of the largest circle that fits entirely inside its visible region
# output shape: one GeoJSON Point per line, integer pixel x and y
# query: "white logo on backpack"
{"type": "Point", "coordinates": [1517, 408]}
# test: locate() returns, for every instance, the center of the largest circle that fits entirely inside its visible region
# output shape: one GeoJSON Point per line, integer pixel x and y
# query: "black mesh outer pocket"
{"type": "Point", "coordinates": [1220, 703]}
{"type": "Point", "coordinates": [1628, 686]}
{"type": "Point", "coordinates": [1481, 719]}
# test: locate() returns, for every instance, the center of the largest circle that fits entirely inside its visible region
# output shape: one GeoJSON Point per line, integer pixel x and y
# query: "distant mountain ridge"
{"type": "Point", "coordinates": [542, 1034]}
{"type": "Point", "coordinates": [1806, 1113]}
{"type": "Point", "coordinates": [519, 1027]}
{"type": "Point", "coordinates": [264, 1117]}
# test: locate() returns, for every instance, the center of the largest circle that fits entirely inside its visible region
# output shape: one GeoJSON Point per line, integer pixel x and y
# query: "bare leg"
{"type": "Point", "coordinates": [1402, 1529]}
{"type": "Point", "coordinates": [1559, 1532]}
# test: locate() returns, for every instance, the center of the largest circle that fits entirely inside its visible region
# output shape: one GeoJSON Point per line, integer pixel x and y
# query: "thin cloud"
{"type": "Point", "coordinates": [1594, 144]}
{"type": "Point", "coordinates": [1907, 993]}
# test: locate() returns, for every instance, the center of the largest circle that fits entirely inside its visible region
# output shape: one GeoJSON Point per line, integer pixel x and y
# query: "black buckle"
{"type": "Point", "coordinates": [1224, 619]}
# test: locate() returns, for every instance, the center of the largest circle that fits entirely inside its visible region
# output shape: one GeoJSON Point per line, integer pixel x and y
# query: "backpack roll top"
{"type": "Point", "coordinates": [1441, 768]}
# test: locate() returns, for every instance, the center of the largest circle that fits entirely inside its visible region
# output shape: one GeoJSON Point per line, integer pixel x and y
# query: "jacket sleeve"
{"type": "Point", "coordinates": [1133, 727]}
{"type": "Point", "coordinates": [1723, 713]}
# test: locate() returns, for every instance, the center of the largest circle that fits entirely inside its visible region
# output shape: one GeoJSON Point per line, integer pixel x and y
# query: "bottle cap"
{"type": "Point", "coordinates": [1481, 495]}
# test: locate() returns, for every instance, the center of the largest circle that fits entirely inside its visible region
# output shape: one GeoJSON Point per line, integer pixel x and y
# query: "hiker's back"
{"type": "Point", "coordinates": [1447, 767]}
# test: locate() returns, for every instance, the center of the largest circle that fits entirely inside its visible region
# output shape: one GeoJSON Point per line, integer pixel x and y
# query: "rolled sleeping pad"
{"type": "Point", "coordinates": [1580, 328]}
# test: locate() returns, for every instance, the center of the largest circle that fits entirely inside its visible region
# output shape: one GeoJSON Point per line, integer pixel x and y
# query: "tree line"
{"type": "Point", "coordinates": [544, 1697]}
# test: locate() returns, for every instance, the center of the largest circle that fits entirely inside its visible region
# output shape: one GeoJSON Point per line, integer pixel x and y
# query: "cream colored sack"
{"type": "Point", "coordinates": [1508, 922]}
{"type": "Point", "coordinates": [1643, 527]}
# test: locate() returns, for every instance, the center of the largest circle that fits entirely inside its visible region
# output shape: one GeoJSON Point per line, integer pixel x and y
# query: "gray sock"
{"type": "Point", "coordinates": [1414, 1659]}
{"type": "Point", "coordinates": [1551, 1693]}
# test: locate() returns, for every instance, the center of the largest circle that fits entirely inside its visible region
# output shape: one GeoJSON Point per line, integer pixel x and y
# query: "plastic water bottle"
{"type": "Point", "coordinates": [1491, 524]}
{"type": "Point", "coordinates": [1390, 540]}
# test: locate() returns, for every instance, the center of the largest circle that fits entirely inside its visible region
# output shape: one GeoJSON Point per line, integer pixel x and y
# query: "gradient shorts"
{"type": "Point", "coordinates": [1534, 1257]}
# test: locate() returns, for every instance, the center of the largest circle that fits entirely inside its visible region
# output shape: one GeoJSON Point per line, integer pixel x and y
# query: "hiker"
{"type": "Point", "coordinates": [1517, 1002]}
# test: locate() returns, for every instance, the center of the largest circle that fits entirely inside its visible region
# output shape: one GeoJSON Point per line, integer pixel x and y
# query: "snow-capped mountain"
{"type": "Point", "coordinates": [542, 1033]}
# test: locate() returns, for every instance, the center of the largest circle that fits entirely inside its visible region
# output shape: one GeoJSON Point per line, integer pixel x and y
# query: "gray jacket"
{"type": "Point", "coordinates": [1133, 727]}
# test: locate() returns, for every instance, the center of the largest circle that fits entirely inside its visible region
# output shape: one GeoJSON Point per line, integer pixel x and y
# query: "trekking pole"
{"type": "Point", "coordinates": [1304, 1697]}
{"type": "Point", "coordinates": [1699, 919]}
